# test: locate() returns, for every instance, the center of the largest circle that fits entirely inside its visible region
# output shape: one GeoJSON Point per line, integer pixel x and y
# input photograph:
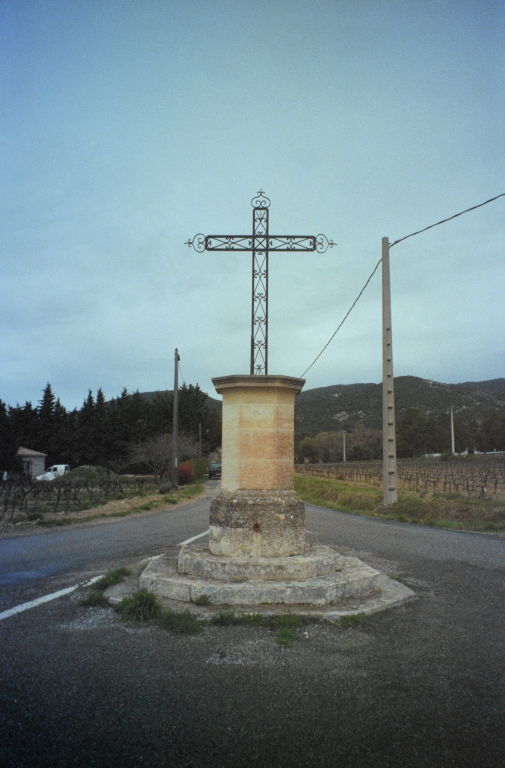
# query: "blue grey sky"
{"type": "Point", "coordinates": [129, 126]}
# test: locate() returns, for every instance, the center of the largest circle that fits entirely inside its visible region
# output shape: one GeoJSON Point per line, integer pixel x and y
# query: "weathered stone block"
{"type": "Point", "coordinates": [197, 560]}
{"type": "Point", "coordinates": [257, 523]}
{"type": "Point", "coordinates": [258, 429]}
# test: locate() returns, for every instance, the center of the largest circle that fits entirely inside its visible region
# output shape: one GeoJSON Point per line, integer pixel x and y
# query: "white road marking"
{"type": "Point", "coordinates": [193, 538]}
{"type": "Point", "coordinates": [44, 599]}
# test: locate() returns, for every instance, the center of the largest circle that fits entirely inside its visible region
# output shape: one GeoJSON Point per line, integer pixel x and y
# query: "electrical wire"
{"type": "Point", "coordinates": [180, 371]}
{"type": "Point", "coordinates": [449, 219]}
{"type": "Point", "coordinates": [345, 318]}
{"type": "Point", "coordinates": [377, 265]}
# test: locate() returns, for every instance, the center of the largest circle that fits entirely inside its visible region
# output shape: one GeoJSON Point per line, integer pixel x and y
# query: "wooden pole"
{"type": "Point", "coordinates": [388, 393]}
{"type": "Point", "coordinates": [343, 447]}
{"type": "Point", "coordinates": [175, 427]}
{"type": "Point", "coordinates": [453, 446]}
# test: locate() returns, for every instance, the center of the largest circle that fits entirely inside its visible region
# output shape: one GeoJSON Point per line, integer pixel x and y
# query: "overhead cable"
{"type": "Point", "coordinates": [377, 265]}
{"type": "Point", "coordinates": [449, 219]}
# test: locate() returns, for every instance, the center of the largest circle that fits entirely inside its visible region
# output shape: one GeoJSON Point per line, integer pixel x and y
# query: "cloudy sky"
{"type": "Point", "coordinates": [128, 126]}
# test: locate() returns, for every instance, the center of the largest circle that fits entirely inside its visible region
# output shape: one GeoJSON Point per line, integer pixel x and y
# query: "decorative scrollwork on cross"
{"type": "Point", "coordinates": [261, 200]}
{"type": "Point", "coordinates": [260, 244]}
{"type": "Point", "coordinates": [322, 243]}
{"type": "Point", "coordinates": [198, 243]}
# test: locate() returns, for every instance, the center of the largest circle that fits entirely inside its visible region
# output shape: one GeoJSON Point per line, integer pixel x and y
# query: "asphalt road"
{"type": "Point", "coordinates": [422, 685]}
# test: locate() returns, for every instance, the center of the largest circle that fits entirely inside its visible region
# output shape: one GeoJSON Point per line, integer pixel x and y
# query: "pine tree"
{"type": "Point", "coordinates": [45, 418]}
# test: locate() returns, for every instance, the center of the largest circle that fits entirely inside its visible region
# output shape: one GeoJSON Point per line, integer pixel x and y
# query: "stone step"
{"type": "Point", "coordinates": [197, 560]}
{"type": "Point", "coordinates": [354, 579]}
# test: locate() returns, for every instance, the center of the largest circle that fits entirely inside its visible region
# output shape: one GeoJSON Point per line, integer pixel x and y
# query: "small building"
{"type": "Point", "coordinates": [34, 462]}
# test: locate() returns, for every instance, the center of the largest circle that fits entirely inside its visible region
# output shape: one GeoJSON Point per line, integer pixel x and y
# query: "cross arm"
{"type": "Point", "coordinates": [283, 243]}
{"type": "Point", "coordinates": [221, 243]}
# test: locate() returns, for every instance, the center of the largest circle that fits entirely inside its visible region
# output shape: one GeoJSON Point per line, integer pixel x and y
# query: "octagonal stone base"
{"type": "Point", "coordinates": [352, 579]}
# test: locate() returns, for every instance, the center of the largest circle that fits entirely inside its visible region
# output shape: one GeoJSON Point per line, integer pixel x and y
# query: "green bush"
{"type": "Point", "coordinates": [200, 466]}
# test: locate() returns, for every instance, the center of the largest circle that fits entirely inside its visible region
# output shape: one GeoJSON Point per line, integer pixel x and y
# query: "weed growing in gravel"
{"type": "Point", "coordinates": [396, 577]}
{"type": "Point", "coordinates": [254, 619]}
{"type": "Point", "coordinates": [202, 600]}
{"type": "Point", "coordinates": [179, 621]}
{"type": "Point", "coordinates": [352, 619]}
{"type": "Point", "coordinates": [141, 607]}
{"type": "Point", "coordinates": [95, 598]}
{"type": "Point", "coordinates": [285, 636]}
{"type": "Point", "coordinates": [230, 618]}
{"type": "Point", "coordinates": [225, 618]}
{"type": "Point", "coordinates": [115, 576]}
{"type": "Point", "coordinates": [286, 627]}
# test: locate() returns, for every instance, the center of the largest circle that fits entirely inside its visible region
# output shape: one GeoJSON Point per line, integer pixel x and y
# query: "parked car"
{"type": "Point", "coordinates": [57, 470]}
{"type": "Point", "coordinates": [215, 470]}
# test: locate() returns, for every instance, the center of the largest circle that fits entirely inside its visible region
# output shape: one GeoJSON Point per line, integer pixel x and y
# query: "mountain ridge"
{"type": "Point", "coordinates": [344, 406]}
{"type": "Point", "coordinates": [339, 407]}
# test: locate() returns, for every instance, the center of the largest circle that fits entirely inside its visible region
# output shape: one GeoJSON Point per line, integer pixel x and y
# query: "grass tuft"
{"type": "Point", "coordinates": [286, 626]}
{"type": "Point", "coordinates": [179, 621]}
{"type": "Point", "coordinates": [141, 607]}
{"type": "Point", "coordinates": [115, 576]}
{"type": "Point", "coordinates": [230, 618]}
{"type": "Point", "coordinates": [225, 618]}
{"type": "Point", "coordinates": [285, 636]}
{"type": "Point", "coordinates": [287, 621]}
{"type": "Point", "coordinates": [202, 600]}
{"type": "Point", "coordinates": [95, 598]}
{"type": "Point", "coordinates": [352, 619]}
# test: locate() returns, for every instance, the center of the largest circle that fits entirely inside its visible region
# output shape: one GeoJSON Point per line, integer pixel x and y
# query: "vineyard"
{"type": "Point", "coordinates": [33, 500]}
{"type": "Point", "coordinates": [479, 478]}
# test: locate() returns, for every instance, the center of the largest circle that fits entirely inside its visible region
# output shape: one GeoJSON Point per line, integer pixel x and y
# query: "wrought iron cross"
{"type": "Point", "coordinates": [261, 243]}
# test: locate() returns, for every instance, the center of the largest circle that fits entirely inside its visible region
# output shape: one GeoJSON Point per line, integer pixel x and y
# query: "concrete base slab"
{"type": "Point", "coordinates": [197, 560]}
{"type": "Point", "coordinates": [353, 580]}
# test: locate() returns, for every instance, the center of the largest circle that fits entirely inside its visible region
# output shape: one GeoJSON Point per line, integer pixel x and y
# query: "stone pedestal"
{"type": "Point", "coordinates": [257, 554]}
{"type": "Point", "coordinates": [257, 512]}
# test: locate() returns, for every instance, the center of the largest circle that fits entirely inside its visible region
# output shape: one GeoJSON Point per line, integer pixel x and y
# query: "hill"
{"type": "Point", "coordinates": [344, 406]}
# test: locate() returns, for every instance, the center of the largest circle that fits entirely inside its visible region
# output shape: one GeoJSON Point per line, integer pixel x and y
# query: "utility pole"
{"type": "Point", "coordinates": [343, 447]}
{"type": "Point", "coordinates": [453, 448]}
{"type": "Point", "coordinates": [200, 439]}
{"type": "Point", "coordinates": [175, 427]}
{"type": "Point", "coordinates": [388, 393]}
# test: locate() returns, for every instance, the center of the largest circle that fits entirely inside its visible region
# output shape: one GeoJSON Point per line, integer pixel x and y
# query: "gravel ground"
{"type": "Point", "coordinates": [421, 685]}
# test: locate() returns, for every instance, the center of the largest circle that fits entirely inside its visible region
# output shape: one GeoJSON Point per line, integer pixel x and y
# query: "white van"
{"type": "Point", "coordinates": [57, 470]}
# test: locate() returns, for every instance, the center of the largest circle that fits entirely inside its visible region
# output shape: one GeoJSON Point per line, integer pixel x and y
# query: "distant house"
{"type": "Point", "coordinates": [34, 463]}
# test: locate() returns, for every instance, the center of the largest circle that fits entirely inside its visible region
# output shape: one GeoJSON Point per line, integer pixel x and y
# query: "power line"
{"type": "Point", "coordinates": [377, 265]}
{"type": "Point", "coordinates": [180, 370]}
{"type": "Point", "coordinates": [345, 318]}
{"type": "Point", "coordinates": [449, 219]}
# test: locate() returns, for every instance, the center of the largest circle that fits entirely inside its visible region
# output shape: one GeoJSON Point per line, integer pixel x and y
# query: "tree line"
{"type": "Point", "coordinates": [103, 432]}
{"type": "Point", "coordinates": [417, 434]}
